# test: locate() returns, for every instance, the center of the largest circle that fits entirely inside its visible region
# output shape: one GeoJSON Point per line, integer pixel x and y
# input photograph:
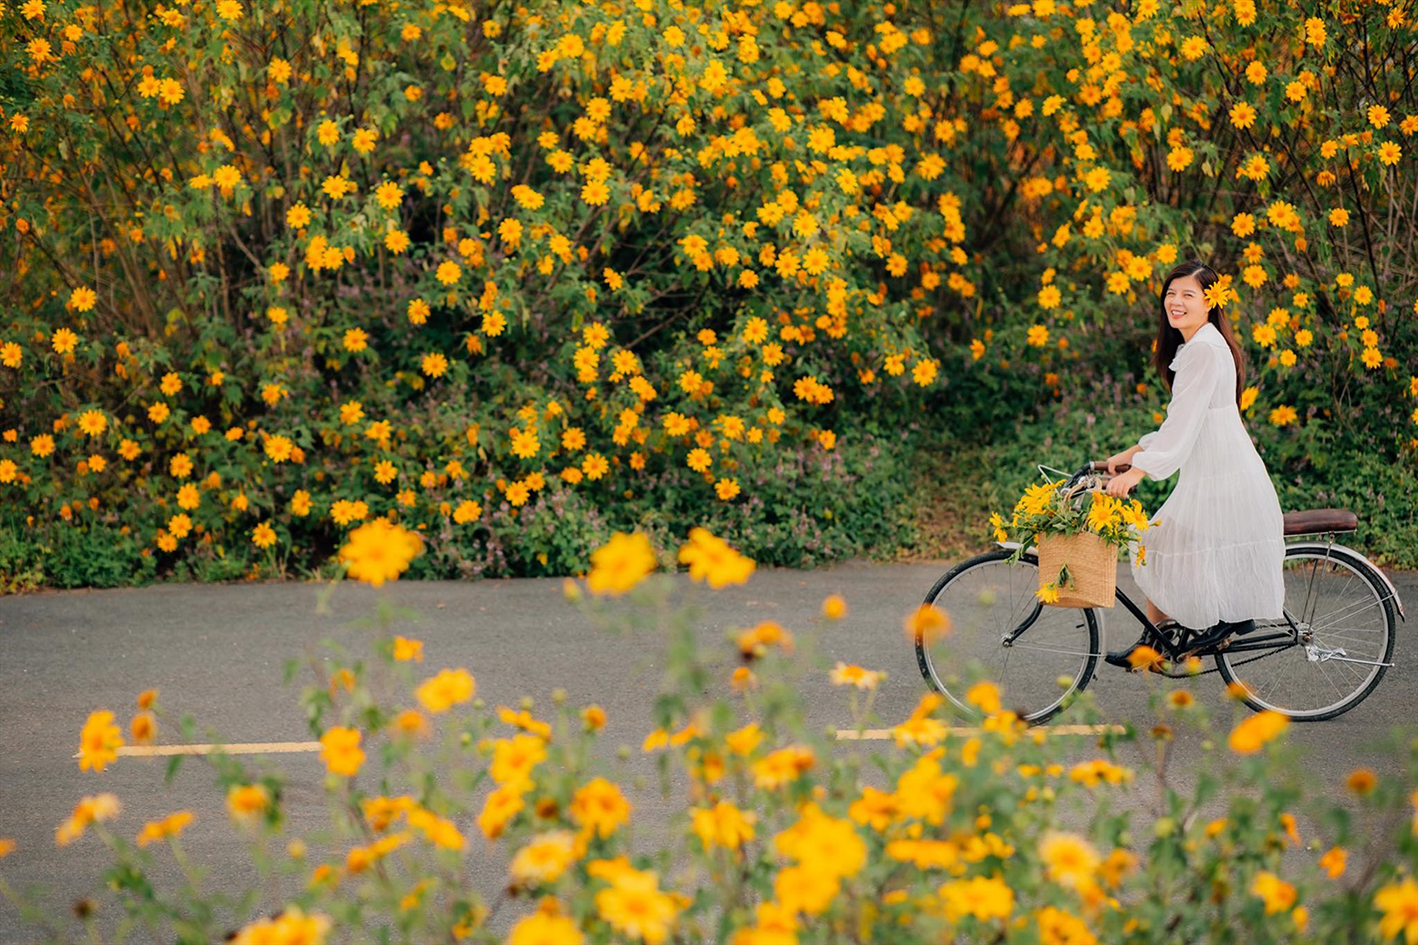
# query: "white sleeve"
{"type": "Point", "coordinates": [1147, 439]}
{"type": "Point", "coordinates": [1165, 450]}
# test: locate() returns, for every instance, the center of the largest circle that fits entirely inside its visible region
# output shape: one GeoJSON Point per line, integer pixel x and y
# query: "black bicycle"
{"type": "Point", "coordinates": [1322, 658]}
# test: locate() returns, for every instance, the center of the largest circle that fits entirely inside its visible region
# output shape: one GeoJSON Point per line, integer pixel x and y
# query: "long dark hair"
{"type": "Point", "coordinates": [1169, 339]}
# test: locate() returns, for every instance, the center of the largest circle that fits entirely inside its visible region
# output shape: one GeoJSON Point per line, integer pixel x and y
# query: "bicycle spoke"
{"type": "Point", "coordinates": [1339, 609]}
{"type": "Point", "coordinates": [1052, 649]}
{"type": "Point", "coordinates": [1351, 611]}
{"type": "Point", "coordinates": [1366, 637]}
{"type": "Point", "coordinates": [989, 600]}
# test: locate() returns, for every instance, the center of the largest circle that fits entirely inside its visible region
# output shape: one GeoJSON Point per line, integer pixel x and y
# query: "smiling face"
{"type": "Point", "coordinates": [1185, 305]}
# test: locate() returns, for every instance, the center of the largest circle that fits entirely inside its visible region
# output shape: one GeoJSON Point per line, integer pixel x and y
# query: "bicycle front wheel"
{"type": "Point", "coordinates": [1040, 657]}
{"type": "Point", "coordinates": [1332, 647]}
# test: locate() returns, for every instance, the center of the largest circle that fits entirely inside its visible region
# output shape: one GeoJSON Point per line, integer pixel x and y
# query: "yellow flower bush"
{"type": "Point", "coordinates": [484, 271]}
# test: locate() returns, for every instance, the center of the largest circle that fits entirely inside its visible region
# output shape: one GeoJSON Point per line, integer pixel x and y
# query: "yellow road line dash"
{"type": "Point", "coordinates": [851, 734]}
{"type": "Point", "coordinates": [248, 748]}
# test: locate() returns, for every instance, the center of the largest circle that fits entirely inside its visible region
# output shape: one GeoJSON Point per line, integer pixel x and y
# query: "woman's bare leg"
{"type": "Point", "coordinates": [1120, 657]}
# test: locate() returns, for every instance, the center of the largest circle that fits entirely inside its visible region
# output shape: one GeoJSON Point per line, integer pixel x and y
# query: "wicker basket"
{"type": "Point", "coordinates": [1092, 569]}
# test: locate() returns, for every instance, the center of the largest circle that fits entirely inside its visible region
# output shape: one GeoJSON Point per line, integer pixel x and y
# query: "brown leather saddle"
{"type": "Point", "coordinates": [1320, 522]}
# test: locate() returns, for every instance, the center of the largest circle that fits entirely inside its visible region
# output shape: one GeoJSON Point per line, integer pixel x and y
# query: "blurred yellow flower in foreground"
{"type": "Point", "coordinates": [600, 807]}
{"type": "Point", "coordinates": [406, 650]}
{"type": "Point", "coordinates": [1069, 859]}
{"type": "Point", "coordinates": [711, 560]}
{"type": "Point", "coordinates": [1399, 904]}
{"type": "Point", "coordinates": [545, 858]}
{"type": "Point", "coordinates": [634, 904]}
{"type": "Point", "coordinates": [95, 809]}
{"type": "Point", "coordinates": [920, 728]}
{"type": "Point", "coordinates": [1055, 925]}
{"type": "Point", "coordinates": [927, 622]}
{"type": "Point", "coordinates": [1099, 771]}
{"type": "Point", "coordinates": [449, 688]}
{"type": "Point", "coordinates": [169, 826]}
{"type": "Point", "coordinates": [143, 727]}
{"type": "Point", "coordinates": [514, 759]}
{"type": "Point", "coordinates": [985, 899]}
{"type": "Point", "coordinates": [339, 749]}
{"type": "Point", "coordinates": [854, 675]}
{"type": "Point", "coordinates": [547, 924]}
{"type": "Point", "coordinates": [99, 742]}
{"type": "Point", "coordinates": [292, 925]}
{"type": "Point", "coordinates": [245, 801]}
{"type": "Point", "coordinates": [754, 643]}
{"type": "Point", "coordinates": [1145, 657]}
{"type": "Point", "coordinates": [620, 564]}
{"type": "Point", "coordinates": [1334, 862]}
{"type": "Point", "coordinates": [1252, 733]}
{"type": "Point", "coordinates": [782, 766]}
{"type": "Point", "coordinates": [723, 825]}
{"type": "Point", "coordinates": [1277, 894]}
{"type": "Point", "coordinates": [380, 551]}
{"type": "Point", "coordinates": [1361, 780]}
{"type": "Point", "coordinates": [985, 696]}
{"type": "Point", "coordinates": [439, 830]}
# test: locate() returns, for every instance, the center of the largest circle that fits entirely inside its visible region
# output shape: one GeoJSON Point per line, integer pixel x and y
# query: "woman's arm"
{"type": "Point", "coordinates": [1166, 449]}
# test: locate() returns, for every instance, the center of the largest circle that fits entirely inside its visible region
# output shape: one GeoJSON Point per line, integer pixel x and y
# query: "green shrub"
{"type": "Point", "coordinates": [86, 554]}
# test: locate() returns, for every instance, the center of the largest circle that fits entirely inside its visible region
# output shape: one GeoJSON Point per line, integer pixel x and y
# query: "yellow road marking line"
{"type": "Point", "coordinates": [277, 748]}
{"type": "Point", "coordinates": [247, 748]}
{"type": "Point", "coordinates": [851, 734]}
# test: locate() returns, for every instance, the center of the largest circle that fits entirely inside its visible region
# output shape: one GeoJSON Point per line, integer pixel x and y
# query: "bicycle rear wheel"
{"type": "Point", "coordinates": [1331, 649]}
{"type": "Point", "coordinates": [1040, 657]}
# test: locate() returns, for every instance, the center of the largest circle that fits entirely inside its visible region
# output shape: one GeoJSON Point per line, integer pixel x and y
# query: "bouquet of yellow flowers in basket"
{"type": "Point", "coordinates": [1077, 533]}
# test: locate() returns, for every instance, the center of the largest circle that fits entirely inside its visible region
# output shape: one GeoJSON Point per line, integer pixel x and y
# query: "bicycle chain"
{"type": "Point", "coordinates": [1214, 668]}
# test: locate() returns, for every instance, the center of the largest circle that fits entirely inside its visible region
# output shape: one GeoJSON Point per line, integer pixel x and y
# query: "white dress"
{"type": "Point", "coordinates": [1216, 554]}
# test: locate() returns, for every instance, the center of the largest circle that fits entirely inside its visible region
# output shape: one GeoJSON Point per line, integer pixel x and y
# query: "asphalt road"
{"type": "Point", "coordinates": [217, 653]}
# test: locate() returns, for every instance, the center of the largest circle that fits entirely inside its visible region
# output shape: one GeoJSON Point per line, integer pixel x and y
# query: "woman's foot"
{"type": "Point", "coordinates": [1218, 634]}
{"type": "Point", "coordinates": [1123, 657]}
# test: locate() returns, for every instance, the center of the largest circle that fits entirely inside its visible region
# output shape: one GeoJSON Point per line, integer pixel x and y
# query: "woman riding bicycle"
{"type": "Point", "coordinates": [1214, 561]}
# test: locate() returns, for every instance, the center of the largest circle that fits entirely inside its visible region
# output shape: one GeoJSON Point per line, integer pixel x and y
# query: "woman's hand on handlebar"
{"type": "Point", "coordinates": [1121, 459]}
{"type": "Point", "coordinates": [1123, 483]}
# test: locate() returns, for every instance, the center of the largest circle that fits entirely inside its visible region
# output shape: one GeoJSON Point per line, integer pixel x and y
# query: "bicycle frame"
{"type": "Point", "coordinates": [1174, 652]}
{"type": "Point", "coordinates": [1184, 647]}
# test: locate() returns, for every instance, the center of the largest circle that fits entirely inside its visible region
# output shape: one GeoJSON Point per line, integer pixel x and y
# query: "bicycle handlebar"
{"type": "Point", "coordinates": [1085, 471]}
{"type": "Point", "coordinates": [1088, 469]}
